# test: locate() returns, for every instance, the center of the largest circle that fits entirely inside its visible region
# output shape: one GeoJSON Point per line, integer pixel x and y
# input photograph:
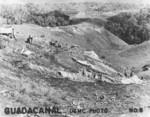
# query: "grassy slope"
{"type": "Point", "coordinates": [138, 55]}
{"type": "Point", "coordinates": [84, 34]}
{"type": "Point", "coordinates": [26, 86]}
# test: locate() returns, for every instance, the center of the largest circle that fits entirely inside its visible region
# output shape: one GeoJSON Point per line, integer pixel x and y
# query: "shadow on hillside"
{"type": "Point", "coordinates": [66, 83]}
{"type": "Point", "coordinates": [95, 21]}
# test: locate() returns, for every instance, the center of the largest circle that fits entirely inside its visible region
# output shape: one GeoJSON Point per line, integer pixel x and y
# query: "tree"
{"type": "Point", "coordinates": [7, 13]}
{"type": "Point", "coordinates": [20, 14]}
{"type": "Point", "coordinates": [127, 27]}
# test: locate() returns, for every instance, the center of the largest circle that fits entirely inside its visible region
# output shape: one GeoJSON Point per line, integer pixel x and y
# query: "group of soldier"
{"type": "Point", "coordinates": [128, 72]}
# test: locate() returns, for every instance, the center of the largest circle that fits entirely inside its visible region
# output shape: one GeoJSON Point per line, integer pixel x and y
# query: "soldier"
{"type": "Point", "coordinates": [132, 71]}
{"type": "Point", "coordinates": [13, 34]}
{"type": "Point", "coordinates": [126, 72]}
{"type": "Point", "coordinates": [83, 73]}
{"type": "Point", "coordinates": [29, 39]}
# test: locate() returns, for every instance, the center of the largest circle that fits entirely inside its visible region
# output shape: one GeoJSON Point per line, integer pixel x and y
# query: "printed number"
{"type": "Point", "coordinates": [135, 110]}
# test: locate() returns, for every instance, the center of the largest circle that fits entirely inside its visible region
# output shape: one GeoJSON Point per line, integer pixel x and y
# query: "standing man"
{"type": "Point", "coordinates": [13, 34]}
{"type": "Point", "coordinates": [29, 39]}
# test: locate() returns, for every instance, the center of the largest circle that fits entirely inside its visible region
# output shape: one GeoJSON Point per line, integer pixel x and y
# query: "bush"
{"type": "Point", "coordinates": [54, 18]}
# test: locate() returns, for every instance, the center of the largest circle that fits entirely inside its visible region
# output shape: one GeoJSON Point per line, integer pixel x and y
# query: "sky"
{"type": "Point", "coordinates": [59, 1]}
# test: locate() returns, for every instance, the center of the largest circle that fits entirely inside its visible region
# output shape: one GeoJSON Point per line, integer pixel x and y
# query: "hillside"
{"type": "Point", "coordinates": [137, 53]}
{"type": "Point", "coordinates": [86, 59]}
{"type": "Point", "coordinates": [88, 36]}
{"type": "Point", "coordinates": [63, 67]}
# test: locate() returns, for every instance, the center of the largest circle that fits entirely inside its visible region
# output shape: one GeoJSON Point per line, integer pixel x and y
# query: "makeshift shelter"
{"type": "Point", "coordinates": [8, 31]}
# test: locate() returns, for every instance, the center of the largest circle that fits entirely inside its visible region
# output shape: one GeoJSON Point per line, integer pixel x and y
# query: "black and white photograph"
{"type": "Point", "coordinates": [74, 58]}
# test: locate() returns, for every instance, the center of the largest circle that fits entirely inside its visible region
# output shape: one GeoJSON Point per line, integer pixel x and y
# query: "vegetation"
{"type": "Point", "coordinates": [109, 7]}
{"type": "Point", "coordinates": [14, 15]}
{"type": "Point", "coordinates": [54, 18]}
{"type": "Point", "coordinates": [30, 13]}
{"type": "Point", "coordinates": [132, 28]}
